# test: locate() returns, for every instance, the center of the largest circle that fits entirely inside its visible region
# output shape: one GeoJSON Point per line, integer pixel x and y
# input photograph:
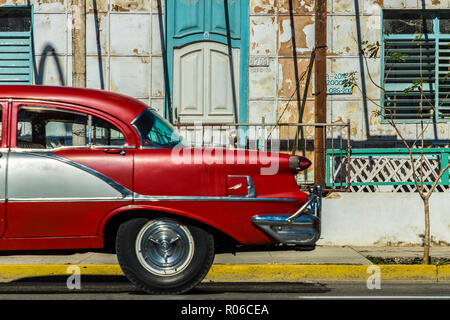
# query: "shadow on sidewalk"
{"type": "Point", "coordinates": [120, 284]}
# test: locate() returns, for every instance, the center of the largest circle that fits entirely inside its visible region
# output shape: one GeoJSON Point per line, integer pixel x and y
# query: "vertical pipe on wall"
{"type": "Point", "coordinates": [320, 105]}
{"type": "Point", "coordinates": [79, 43]}
{"type": "Point", "coordinates": [231, 64]}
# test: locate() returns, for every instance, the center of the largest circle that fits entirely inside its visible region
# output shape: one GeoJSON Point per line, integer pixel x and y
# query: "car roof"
{"type": "Point", "coordinates": [120, 106]}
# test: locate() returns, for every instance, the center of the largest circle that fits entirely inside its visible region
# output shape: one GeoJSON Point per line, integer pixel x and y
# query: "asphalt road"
{"type": "Point", "coordinates": [119, 288]}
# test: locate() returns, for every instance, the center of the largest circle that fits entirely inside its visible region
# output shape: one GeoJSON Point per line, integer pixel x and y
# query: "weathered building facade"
{"type": "Point", "coordinates": [174, 55]}
{"type": "Point", "coordinates": [271, 41]}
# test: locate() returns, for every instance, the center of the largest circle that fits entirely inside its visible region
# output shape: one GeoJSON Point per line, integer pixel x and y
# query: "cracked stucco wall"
{"type": "Point", "coordinates": [131, 57]}
{"type": "Point", "coordinates": [274, 25]}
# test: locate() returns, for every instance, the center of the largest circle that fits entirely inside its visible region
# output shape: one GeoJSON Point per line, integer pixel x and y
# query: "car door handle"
{"type": "Point", "coordinates": [115, 151]}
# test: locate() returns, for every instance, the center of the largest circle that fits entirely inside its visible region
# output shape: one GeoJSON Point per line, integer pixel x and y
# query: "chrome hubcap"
{"type": "Point", "coordinates": [164, 247]}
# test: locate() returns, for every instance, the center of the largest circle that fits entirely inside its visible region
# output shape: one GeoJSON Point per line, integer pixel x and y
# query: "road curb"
{"type": "Point", "coordinates": [444, 273]}
{"type": "Point", "coordinates": [319, 272]}
{"type": "Point", "coordinates": [250, 273]}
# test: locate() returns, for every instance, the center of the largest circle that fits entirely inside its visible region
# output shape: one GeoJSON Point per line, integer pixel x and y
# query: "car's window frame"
{"type": "Point", "coordinates": [129, 135]}
{"type": "Point", "coordinates": [3, 124]}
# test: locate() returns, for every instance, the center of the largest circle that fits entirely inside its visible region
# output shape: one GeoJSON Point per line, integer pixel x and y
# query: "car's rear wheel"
{"type": "Point", "coordinates": [164, 255]}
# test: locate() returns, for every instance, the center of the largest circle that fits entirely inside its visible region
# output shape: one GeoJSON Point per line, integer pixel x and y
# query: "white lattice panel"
{"type": "Point", "coordinates": [376, 170]}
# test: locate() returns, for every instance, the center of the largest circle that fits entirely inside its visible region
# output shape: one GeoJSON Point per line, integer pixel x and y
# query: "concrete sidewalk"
{"type": "Point", "coordinates": [325, 263]}
{"type": "Point", "coordinates": [322, 255]}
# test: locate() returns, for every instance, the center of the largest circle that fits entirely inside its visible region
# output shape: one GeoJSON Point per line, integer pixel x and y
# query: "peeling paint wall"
{"type": "Point", "coordinates": [272, 37]}
{"type": "Point", "coordinates": [281, 37]}
{"type": "Point", "coordinates": [125, 56]}
{"type": "Point", "coordinates": [283, 31]}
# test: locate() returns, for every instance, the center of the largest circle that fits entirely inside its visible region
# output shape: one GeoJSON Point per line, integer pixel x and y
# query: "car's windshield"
{"type": "Point", "coordinates": [156, 131]}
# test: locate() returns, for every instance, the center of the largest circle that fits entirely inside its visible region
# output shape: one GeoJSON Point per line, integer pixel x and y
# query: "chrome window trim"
{"type": "Point", "coordinates": [52, 109]}
{"type": "Point", "coordinates": [32, 150]}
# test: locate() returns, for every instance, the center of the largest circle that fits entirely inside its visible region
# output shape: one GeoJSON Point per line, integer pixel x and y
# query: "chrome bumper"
{"type": "Point", "coordinates": [301, 228]}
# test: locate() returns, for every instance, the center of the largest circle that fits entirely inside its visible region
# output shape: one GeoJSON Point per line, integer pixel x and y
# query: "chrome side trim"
{"type": "Point", "coordinates": [139, 197]}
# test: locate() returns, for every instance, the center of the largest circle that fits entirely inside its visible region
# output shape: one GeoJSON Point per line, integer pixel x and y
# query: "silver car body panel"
{"type": "Point", "coordinates": [46, 177]}
{"type": "Point", "coordinates": [3, 163]}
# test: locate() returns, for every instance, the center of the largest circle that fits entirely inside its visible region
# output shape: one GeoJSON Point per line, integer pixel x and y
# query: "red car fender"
{"type": "Point", "coordinates": [253, 236]}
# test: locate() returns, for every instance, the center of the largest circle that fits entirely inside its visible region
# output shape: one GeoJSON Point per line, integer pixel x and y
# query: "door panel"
{"type": "Point", "coordinates": [36, 176]}
{"type": "Point", "coordinates": [203, 82]}
{"type": "Point", "coordinates": [220, 83]}
{"type": "Point", "coordinates": [61, 181]}
{"type": "Point", "coordinates": [196, 25]}
{"type": "Point", "coordinates": [189, 81]}
{"type": "Point", "coordinates": [54, 195]}
{"type": "Point", "coordinates": [3, 163]}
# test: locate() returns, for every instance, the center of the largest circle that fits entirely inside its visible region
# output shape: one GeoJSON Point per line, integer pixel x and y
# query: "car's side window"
{"type": "Point", "coordinates": [105, 134]}
{"type": "Point", "coordinates": [46, 128]}
{"type": "Point", "coordinates": [41, 128]}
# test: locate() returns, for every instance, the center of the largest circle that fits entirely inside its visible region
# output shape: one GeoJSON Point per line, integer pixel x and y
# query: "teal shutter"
{"type": "Point", "coordinates": [16, 45]}
{"type": "Point", "coordinates": [444, 77]}
{"type": "Point", "coordinates": [217, 19]}
{"type": "Point", "coordinates": [188, 18]}
{"type": "Point", "coordinates": [15, 58]}
{"type": "Point", "coordinates": [407, 61]}
{"type": "Point", "coordinates": [416, 48]}
{"type": "Point", "coordinates": [198, 20]}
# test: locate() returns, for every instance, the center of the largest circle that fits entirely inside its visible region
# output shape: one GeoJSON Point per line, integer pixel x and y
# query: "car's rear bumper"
{"type": "Point", "coordinates": [301, 228]}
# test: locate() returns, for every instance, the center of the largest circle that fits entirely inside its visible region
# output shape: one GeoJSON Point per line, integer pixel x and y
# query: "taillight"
{"type": "Point", "coordinates": [299, 163]}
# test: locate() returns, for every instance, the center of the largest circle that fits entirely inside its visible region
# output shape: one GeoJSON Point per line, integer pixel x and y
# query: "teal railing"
{"type": "Point", "coordinates": [381, 168]}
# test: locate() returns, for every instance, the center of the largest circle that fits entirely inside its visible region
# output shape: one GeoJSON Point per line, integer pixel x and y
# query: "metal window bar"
{"type": "Point", "coordinates": [275, 137]}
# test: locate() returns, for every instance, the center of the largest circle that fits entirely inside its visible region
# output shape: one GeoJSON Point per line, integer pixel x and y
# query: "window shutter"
{"type": "Point", "coordinates": [407, 61]}
{"type": "Point", "coordinates": [444, 77]}
{"type": "Point", "coordinates": [15, 45]}
{"type": "Point", "coordinates": [15, 58]}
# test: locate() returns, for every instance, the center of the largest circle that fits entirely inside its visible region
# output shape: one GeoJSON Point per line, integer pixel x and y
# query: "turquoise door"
{"type": "Point", "coordinates": [207, 31]}
{"type": "Point", "coordinates": [15, 45]}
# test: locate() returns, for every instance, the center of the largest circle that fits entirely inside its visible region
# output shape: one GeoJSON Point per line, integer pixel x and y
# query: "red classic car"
{"type": "Point", "coordinates": [89, 170]}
